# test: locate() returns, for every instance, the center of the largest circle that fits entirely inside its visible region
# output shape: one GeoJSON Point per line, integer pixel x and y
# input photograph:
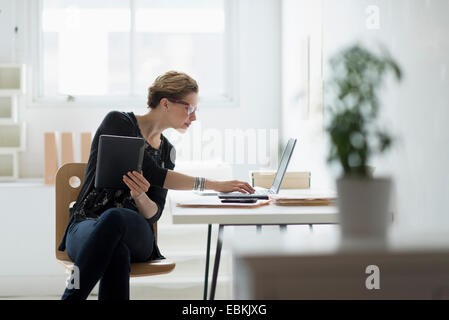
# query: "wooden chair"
{"type": "Point", "coordinates": [65, 195]}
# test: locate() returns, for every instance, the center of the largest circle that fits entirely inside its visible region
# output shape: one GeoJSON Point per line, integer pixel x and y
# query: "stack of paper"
{"type": "Point", "coordinates": [304, 199]}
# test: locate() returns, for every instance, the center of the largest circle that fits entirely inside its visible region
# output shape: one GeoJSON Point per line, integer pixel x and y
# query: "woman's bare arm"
{"type": "Point", "coordinates": [178, 181]}
{"type": "Point", "coordinates": [147, 207]}
{"type": "Point", "coordinates": [138, 187]}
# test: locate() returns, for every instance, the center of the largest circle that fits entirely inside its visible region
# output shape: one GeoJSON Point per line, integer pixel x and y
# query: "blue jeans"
{"type": "Point", "coordinates": [103, 249]}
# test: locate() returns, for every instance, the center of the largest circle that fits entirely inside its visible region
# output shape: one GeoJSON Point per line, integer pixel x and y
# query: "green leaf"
{"type": "Point", "coordinates": [357, 75]}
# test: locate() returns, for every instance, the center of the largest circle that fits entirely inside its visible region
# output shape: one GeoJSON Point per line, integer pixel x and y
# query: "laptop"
{"type": "Point", "coordinates": [262, 193]}
{"type": "Point", "coordinates": [116, 156]}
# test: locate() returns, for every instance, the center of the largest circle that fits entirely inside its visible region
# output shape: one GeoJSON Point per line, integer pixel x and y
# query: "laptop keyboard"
{"type": "Point", "coordinates": [257, 192]}
{"type": "Point", "coordinates": [263, 192]}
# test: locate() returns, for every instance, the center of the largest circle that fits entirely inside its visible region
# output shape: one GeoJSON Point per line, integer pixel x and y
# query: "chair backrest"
{"type": "Point", "coordinates": [69, 179]}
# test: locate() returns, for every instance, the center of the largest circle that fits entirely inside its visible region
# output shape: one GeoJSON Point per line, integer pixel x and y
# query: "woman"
{"type": "Point", "coordinates": [109, 229]}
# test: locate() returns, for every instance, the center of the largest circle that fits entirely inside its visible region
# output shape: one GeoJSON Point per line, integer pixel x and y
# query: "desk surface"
{"type": "Point", "coordinates": [270, 214]}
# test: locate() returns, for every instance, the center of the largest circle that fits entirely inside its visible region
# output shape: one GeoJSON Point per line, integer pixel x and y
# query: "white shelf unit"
{"type": "Point", "coordinates": [12, 137]}
{"type": "Point", "coordinates": [8, 108]}
{"type": "Point", "coordinates": [12, 132]}
{"type": "Point", "coordinates": [12, 79]}
{"type": "Point", "coordinates": [9, 165]}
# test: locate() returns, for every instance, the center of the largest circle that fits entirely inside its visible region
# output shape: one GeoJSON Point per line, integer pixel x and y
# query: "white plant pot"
{"type": "Point", "coordinates": [363, 205]}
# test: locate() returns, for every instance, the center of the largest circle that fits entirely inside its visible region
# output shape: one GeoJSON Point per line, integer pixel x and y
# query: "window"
{"type": "Point", "coordinates": [108, 49]}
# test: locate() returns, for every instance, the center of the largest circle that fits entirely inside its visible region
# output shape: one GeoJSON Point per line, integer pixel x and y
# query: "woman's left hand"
{"type": "Point", "coordinates": [137, 183]}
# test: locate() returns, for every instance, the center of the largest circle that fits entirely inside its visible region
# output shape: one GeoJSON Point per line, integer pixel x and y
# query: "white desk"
{"type": "Point", "coordinates": [266, 215]}
{"type": "Point", "coordinates": [270, 214]}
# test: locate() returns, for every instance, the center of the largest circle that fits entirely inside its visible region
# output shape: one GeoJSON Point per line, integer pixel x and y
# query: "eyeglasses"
{"type": "Point", "coordinates": [190, 108]}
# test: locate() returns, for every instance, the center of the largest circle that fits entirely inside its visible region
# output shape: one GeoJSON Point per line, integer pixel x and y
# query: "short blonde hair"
{"type": "Point", "coordinates": [172, 84]}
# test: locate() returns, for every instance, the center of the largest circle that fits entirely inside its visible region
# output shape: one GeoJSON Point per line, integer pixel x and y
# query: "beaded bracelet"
{"type": "Point", "coordinates": [199, 183]}
{"type": "Point", "coordinates": [202, 184]}
{"type": "Point", "coordinates": [195, 184]}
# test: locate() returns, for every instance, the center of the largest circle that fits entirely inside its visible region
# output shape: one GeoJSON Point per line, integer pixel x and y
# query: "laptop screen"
{"type": "Point", "coordinates": [283, 165]}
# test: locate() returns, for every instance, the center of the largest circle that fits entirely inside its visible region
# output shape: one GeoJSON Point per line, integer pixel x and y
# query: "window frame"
{"type": "Point", "coordinates": [35, 96]}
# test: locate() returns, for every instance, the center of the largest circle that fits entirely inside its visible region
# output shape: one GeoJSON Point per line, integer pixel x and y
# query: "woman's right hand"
{"type": "Point", "coordinates": [230, 186]}
{"type": "Point", "coordinates": [136, 183]}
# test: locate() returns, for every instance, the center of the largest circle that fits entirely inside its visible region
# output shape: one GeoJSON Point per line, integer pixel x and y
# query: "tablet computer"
{"type": "Point", "coordinates": [116, 156]}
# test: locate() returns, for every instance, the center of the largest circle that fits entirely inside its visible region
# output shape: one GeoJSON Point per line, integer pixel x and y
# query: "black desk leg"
{"type": "Point", "coordinates": [217, 262]}
{"type": "Point", "coordinates": [258, 228]}
{"type": "Point", "coordinates": [206, 274]}
{"type": "Point", "coordinates": [283, 227]}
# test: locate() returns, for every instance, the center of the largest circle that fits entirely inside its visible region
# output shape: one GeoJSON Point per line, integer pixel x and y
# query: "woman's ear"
{"type": "Point", "coordinates": [164, 104]}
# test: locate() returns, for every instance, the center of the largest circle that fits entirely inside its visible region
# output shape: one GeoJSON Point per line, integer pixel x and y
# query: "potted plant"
{"type": "Point", "coordinates": [355, 136]}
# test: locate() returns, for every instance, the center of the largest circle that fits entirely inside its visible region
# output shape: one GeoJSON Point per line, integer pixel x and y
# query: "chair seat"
{"type": "Point", "coordinates": [138, 269]}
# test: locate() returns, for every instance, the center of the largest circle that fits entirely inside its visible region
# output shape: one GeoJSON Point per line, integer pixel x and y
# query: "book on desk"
{"type": "Point", "coordinates": [305, 198]}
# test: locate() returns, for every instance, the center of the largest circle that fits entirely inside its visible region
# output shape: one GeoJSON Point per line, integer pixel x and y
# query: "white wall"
{"type": "Point", "coordinates": [259, 76]}
{"type": "Point", "coordinates": [302, 95]}
{"type": "Point", "coordinates": [7, 30]}
{"type": "Point", "coordinates": [417, 110]}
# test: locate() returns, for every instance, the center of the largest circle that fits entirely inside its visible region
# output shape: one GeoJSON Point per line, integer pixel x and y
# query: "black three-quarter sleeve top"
{"type": "Point", "coordinates": [92, 202]}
